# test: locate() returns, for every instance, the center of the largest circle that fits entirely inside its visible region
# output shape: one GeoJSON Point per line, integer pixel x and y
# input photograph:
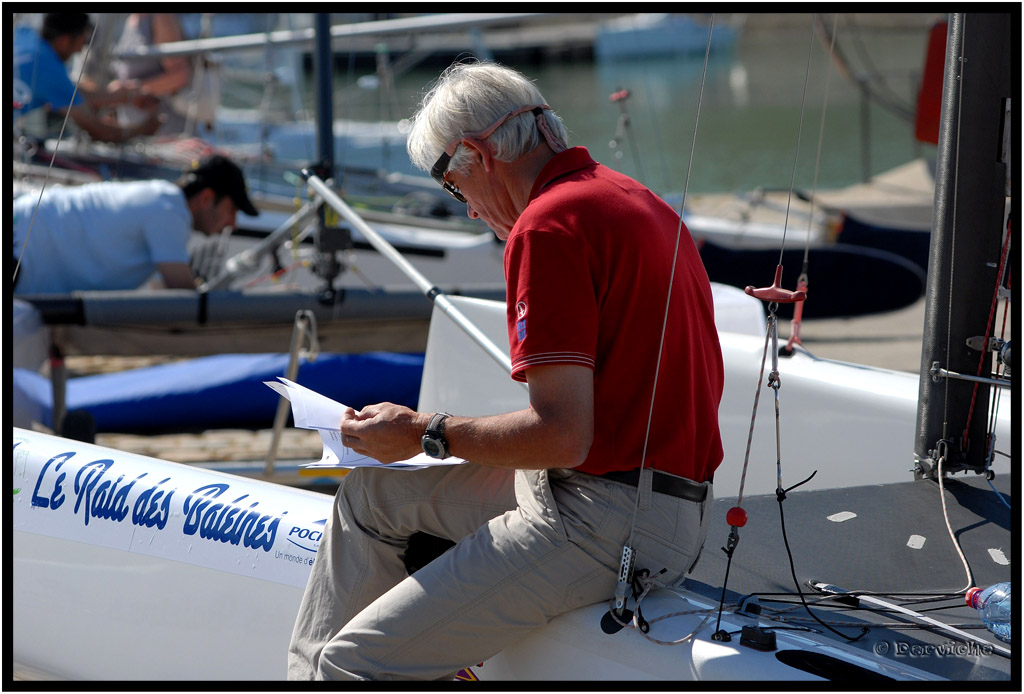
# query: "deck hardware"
{"type": "Point", "coordinates": [757, 637]}
{"type": "Point", "coordinates": [939, 373]}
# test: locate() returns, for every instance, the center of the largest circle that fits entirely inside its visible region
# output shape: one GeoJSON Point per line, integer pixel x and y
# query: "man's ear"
{"type": "Point", "coordinates": [482, 149]}
{"type": "Point", "coordinates": [207, 197]}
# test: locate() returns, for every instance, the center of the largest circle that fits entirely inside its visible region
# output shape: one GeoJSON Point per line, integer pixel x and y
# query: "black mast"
{"type": "Point", "coordinates": [330, 239]}
{"type": "Point", "coordinates": [970, 194]}
{"type": "Point", "coordinates": [324, 98]}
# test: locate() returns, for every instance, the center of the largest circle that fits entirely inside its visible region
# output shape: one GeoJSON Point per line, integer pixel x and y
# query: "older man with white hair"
{"type": "Point", "coordinates": [617, 447]}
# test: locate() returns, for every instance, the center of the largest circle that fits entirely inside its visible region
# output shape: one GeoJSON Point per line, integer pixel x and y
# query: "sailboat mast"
{"type": "Point", "coordinates": [324, 98]}
{"type": "Point", "coordinates": [330, 239]}
{"type": "Point", "coordinates": [967, 230]}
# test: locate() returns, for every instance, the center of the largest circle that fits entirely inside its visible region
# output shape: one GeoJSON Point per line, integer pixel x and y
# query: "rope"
{"type": "Point", "coordinates": [952, 535]}
{"type": "Point", "coordinates": [645, 632]}
{"type": "Point", "coordinates": [757, 398]}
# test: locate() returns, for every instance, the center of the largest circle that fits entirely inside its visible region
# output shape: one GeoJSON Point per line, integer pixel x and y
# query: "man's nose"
{"type": "Point", "coordinates": [471, 213]}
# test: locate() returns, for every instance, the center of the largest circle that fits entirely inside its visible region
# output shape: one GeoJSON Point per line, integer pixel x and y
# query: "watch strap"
{"type": "Point", "coordinates": [436, 424]}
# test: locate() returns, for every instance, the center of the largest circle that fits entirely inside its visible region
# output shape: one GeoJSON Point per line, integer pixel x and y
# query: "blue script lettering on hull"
{"type": "Point", "coordinates": [148, 507]}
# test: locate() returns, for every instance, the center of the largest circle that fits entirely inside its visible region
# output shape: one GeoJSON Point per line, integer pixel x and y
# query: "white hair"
{"type": "Point", "coordinates": [469, 97]}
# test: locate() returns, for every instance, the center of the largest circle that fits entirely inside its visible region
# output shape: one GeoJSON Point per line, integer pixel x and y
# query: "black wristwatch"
{"type": "Point", "coordinates": [434, 443]}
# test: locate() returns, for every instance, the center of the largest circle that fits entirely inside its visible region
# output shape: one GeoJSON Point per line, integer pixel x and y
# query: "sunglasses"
{"type": "Point", "coordinates": [440, 167]}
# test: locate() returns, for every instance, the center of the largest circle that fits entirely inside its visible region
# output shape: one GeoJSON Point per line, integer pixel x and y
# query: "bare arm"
{"type": "Point", "coordinates": [176, 71]}
{"type": "Point", "coordinates": [176, 275]}
{"type": "Point", "coordinates": [88, 120]}
{"type": "Point", "coordinates": [555, 431]}
{"type": "Point", "coordinates": [112, 96]}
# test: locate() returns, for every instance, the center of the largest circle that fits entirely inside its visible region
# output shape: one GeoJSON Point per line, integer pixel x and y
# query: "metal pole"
{"type": "Point", "coordinates": [424, 285]}
{"type": "Point", "coordinates": [967, 228]}
{"type": "Point", "coordinates": [305, 324]}
{"type": "Point", "coordinates": [404, 26]}
{"type": "Point", "coordinates": [324, 97]}
{"type": "Point", "coordinates": [247, 260]}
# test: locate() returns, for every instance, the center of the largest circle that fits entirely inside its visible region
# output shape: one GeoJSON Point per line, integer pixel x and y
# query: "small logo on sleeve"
{"type": "Point", "coordinates": [521, 320]}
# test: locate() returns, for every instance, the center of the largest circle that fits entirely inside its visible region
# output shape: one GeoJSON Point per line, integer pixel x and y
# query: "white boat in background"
{"type": "Point", "coordinates": [661, 33]}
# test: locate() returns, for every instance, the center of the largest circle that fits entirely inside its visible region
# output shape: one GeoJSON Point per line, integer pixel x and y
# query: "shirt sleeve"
{"type": "Point", "coordinates": [167, 233]}
{"type": "Point", "coordinates": [53, 86]}
{"type": "Point", "coordinates": [552, 301]}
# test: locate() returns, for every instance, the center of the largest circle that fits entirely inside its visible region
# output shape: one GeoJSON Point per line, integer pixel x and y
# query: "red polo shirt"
{"type": "Point", "coordinates": [587, 266]}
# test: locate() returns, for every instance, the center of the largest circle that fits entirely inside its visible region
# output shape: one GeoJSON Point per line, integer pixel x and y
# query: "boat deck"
{"type": "Point", "coordinates": [888, 539]}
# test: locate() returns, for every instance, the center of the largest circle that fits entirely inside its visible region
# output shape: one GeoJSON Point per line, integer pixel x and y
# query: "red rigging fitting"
{"type": "Point", "coordinates": [775, 292]}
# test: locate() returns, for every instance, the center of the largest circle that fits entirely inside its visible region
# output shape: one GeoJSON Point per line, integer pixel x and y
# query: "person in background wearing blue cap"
{"type": "Point", "coordinates": [116, 235]}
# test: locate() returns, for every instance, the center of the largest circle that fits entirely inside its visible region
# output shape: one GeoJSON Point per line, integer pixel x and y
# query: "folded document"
{"type": "Point", "coordinates": [311, 410]}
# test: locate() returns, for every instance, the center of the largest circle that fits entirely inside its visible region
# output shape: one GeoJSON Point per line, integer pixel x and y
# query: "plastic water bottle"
{"type": "Point", "coordinates": [993, 604]}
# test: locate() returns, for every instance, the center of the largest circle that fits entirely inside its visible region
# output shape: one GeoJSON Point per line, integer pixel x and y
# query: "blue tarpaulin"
{"type": "Point", "coordinates": [223, 391]}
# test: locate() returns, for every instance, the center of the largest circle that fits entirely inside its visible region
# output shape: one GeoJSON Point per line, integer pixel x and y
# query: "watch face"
{"type": "Point", "coordinates": [432, 448]}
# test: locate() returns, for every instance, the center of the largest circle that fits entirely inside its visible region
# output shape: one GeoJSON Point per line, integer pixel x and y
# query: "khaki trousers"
{"type": "Point", "coordinates": [530, 545]}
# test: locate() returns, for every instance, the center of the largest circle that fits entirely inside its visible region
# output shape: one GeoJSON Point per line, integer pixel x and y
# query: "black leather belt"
{"type": "Point", "coordinates": [663, 483]}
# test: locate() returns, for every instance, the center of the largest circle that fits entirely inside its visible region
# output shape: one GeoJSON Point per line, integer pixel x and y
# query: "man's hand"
{"type": "Point", "coordinates": [555, 431]}
{"type": "Point", "coordinates": [385, 432]}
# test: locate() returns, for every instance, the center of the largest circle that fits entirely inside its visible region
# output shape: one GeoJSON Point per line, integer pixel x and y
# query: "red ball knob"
{"type": "Point", "coordinates": [736, 517]}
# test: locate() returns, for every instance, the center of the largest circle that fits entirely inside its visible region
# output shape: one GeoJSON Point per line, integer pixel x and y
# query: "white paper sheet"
{"type": "Point", "coordinates": [311, 410]}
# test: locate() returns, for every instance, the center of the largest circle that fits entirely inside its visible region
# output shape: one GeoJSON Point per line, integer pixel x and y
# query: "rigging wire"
{"type": "Point", "coordinates": [675, 257]}
{"type": "Point", "coordinates": [736, 516]}
{"type": "Point", "coordinates": [865, 87]}
{"type": "Point", "coordinates": [626, 562]}
{"type": "Point", "coordinates": [802, 280]}
{"type": "Point", "coordinates": [891, 98]}
{"type": "Point", "coordinates": [985, 353]}
{"type": "Point", "coordinates": [998, 394]}
{"type": "Point", "coordinates": [799, 131]}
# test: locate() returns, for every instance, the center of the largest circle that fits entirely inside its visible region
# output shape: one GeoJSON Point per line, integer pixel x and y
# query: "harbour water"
{"type": "Point", "coordinates": [755, 117]}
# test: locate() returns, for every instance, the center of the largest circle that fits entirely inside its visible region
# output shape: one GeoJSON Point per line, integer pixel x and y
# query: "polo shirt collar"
{"type": "Point", "coordinates": [562, 164]}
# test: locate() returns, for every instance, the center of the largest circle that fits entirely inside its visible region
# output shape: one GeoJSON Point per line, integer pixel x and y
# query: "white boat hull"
{"type": "Point", "coordinates": [850, 423]}
{"type": "Point", "coordinates": [127, 567]}
{"type": "Point", "coordinates": [133, 568]}
{"type": "Point", "coordinates": [573, 647]}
